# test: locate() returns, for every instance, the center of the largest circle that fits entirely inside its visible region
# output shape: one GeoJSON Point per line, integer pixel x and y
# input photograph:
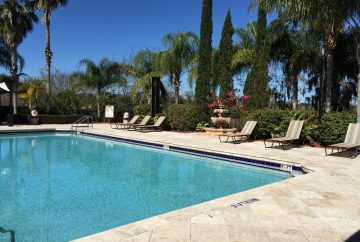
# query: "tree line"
{"type": "Point", "coordinates": [315, 45]}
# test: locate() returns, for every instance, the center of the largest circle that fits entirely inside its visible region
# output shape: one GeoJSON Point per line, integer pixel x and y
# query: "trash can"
{"type": "Point", "coordinates": [34, 117]}
{"type": "Point", "coordinates": [126, 118]}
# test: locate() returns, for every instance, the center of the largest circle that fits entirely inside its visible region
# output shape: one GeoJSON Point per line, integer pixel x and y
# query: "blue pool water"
{"type": "Point", "coordinates": [59, 187]}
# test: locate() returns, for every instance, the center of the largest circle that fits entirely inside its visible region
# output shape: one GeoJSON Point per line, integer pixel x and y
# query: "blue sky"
{"type": "Point", "coordinates": [117, 29]}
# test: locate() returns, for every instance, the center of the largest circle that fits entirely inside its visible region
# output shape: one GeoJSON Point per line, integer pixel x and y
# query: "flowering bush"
{"type": "Point", "coordinates": [214, 105]}
{"type": "Point", "coordinates": [229, 101]}
{"type": "Point", "coordinates": [245, 101]}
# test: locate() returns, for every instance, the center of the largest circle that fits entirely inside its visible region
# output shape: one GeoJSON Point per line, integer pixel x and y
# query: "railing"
{"type": "Point", "coordinates": [11, 232]}
{"type": "Point", "coordinates": [85, 122]}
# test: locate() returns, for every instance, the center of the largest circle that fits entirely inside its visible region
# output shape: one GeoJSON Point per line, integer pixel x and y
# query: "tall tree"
{"type": "Point", "coordinates": [203, 82]}
{"type": "Point", "coordinates": [257, 82]}
{"type": "Point", "coordinates": [16, 21]}
{"type": "Point", "coordinates": [146, 65]}
{"type": "Point", "coordinates": [329, 16]}
{"type": "Point", "coordinates": [178, 57]}
{"type": "Point", "coordinates": [47, 6]}
{"type": "Point", "coordinates": [33, 88]}
{"type": "Point", "coordinates": [5, 57]}
{"type": "Point", "coordinates": [243, 58]}
{"type": "Point", "coordinates": [226, 52]}
{"type": "Point", "coordinates": [295, 47]}
{"type": "Point", "coordinates": [98, 77]}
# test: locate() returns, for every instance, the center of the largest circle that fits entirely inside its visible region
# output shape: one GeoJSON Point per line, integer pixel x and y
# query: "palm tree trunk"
{"type": "Point", "coordinates": [358, 82]}
{"type": "Point", "coordinates": [48, 56]}
{"type": "Point", "coordinates": [329, 80]}
{"type": "Point", "coordinates": [295, 90]}
{"type": "Point", "coordinates": [14, 77]}
{"type": "Point", "coordinates": [177, 88]}
{"type": "Point", "coordinates": [330, 38]}
{"type": "Point", "coordinates": [98, 104]}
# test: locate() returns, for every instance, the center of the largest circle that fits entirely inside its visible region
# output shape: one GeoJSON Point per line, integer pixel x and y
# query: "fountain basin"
{"type": "Point", "coordinates": [218, 131]}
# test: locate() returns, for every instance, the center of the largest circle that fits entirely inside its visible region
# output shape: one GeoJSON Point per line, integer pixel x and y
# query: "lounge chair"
{"type": "Point", "coordinates": [243, 135]}
{"type": "Point", "coordinates": [292, 134]}
{"type": "Point", "coordinates": [352, 141]}
{"type": "Point", "coordinates": [156, 125]}
{"type": "Point", "coordinates": [143, 122]}
{"type": "Point", "coordinates": [122, 125]}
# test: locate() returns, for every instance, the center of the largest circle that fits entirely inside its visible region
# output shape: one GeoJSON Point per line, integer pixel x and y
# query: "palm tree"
{"type": "Point", "coordinates": [146, 65]}
{"type": "Point", "coordinates": [5, 58]}
{"type": "Point", "coordinates": [98, 77]}
{"type": "Point", "coordinates": [327, 15]}
{"type": "Point", "coordinates": [16, 20]}
{"type": "Point", "coordinates": [244, 48]}
{"type": "Point", "coordinates": [33, 89]}
{"type": "Point", "coordinates": [181, 49]}
{"type": "Point", "coordinates": [47, 6]}
{"type": "Point", "coordinates": [295, 48]}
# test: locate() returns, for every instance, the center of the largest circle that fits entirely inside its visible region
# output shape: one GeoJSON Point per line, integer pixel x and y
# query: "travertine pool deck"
{"type": "Point", "coordinates": [323, 205]}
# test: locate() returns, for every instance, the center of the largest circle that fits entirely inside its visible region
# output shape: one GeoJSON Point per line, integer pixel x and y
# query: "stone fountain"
{"type": "Point", "coordinates": [221, 122]}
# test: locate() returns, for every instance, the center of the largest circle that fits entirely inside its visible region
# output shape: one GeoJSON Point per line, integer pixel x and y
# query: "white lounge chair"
{"type": "Point", "coordinates": [143, 122]}
{"type": "Point", "coordinates": [292, 134]}
{"type": "Point", "coordinates": [351, 142]}
{"type": "Point", "coordinates": [243, 135]}
{"type": "Point", "coordinates": [122, 125]}
{"type": "Point", "coordinates": [155, 126]}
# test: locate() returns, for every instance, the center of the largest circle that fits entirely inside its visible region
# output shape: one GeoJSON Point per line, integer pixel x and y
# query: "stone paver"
{"type": "Point", "coordinates": [323, 205]}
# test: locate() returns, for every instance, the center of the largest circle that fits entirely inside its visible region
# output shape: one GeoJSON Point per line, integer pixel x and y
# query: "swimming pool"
{"type": "Point", "coordinates": [59, 187]}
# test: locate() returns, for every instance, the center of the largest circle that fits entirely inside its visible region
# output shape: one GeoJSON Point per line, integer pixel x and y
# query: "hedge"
{"type": "Point", "coordinates": [331, 130]}
{"type": "Point", "coordinates": [182, 117]}
{"type": "Point", "coordinates": [46, 119]}
{"type": "Point", "coordinates": [334, 126]}
{"type": "Point", "coordinates": [58, 119]}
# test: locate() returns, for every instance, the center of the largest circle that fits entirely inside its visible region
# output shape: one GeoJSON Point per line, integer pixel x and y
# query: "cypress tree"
{"type": "Point", "coordinates": [203, 82]}
{"type": "Point", "coordinates": [225, 57]}
{"type": "Point", "coordinates": [257, 82]}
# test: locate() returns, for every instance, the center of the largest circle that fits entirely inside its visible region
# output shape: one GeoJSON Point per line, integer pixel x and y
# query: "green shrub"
{"type": "Point", "coordinates": [19, 118]}
{"type": "Point", "coordinates": [276, 122]}
{"type": "Point", "coordinates": [58, 119]}
{"type": "Point", "coordinates": [182, 117]}
{"type": "Point", "coordinates": [200, 127]}
{"type": "Point", "coordinates": [142, 109]}
{"type": "Point", "coordinates": [334, 126]}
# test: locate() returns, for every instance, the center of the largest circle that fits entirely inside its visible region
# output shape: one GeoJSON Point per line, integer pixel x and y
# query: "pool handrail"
{"type": "Point", "coordinates": [81, 123]}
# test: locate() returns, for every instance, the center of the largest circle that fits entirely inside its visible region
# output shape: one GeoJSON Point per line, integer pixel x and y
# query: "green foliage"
{"type": "Point", "coordinates": [121, 104]}
{"type": "Point", "coordinates": [182, 117]}
{"type": "Point", "coordinates": [47, 119]}
{"type": "Point", "coordinates": [181, 49]}
{"type": "Point", "coordinates": [67, 102]}
{"type": "Point", "coordinates": [146, 65]}
{"type": "Point", "coordinates": [226, 52]}
{"type": "Point", "coordinates": [334, 126]}
{"type": "Point", "coordinates": [203, 82]}
{"type": "Point", "coordinates": [19, 118]}
{"type": "Point", "coordinates": [142, 109]}
{"type": "Point", "coordinates": [257, 82]}
{"type": "Point", "coordinates": [32, 90]}
{"type": "Point", "coordinates": [331, 130]}
{"type": "Point", "coordinates": [58, 119]}
{"type": "Point", "coordinates": [200, 127]}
